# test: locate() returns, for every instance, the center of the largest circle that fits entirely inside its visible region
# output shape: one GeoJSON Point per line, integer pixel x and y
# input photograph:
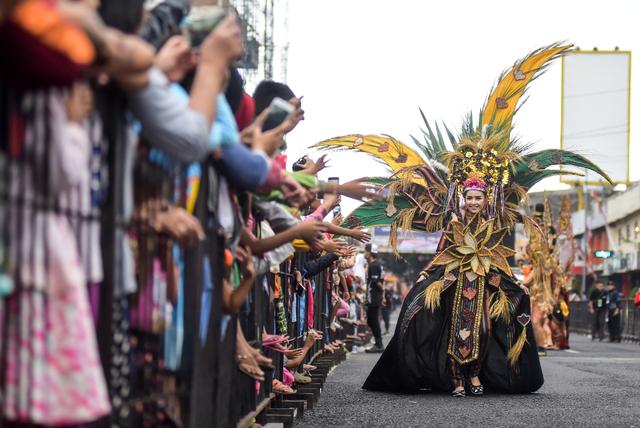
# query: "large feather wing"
{"type": "Point", "coordinates": [532, 167]}
{"type": "Point", "coordinates": [384, 148]}
{"type": "Point", "coordinates": [503, 101]}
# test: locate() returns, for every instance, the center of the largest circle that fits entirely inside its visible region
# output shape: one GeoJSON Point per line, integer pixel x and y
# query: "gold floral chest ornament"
{"type": "Point", "coordinates": [476, 247]}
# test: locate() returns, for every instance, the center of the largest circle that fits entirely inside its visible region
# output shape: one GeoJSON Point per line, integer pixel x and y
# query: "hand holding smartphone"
{"type": "Point", "coordinates": [200, 22]}
{"type": "Point", "coordinates": [279, 110]}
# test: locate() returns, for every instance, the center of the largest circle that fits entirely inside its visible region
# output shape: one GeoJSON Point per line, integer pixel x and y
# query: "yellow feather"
{"type": "Point", "coordinates": [393, 151]}
{"type": "Point", "coordinates": [512, 85]}
{"type": "Point", "coordinates": [516, 349]}
{"type": "Point", "coordinates": [432, 295]}
{"type": "Point", "coordinates": [501, 306]}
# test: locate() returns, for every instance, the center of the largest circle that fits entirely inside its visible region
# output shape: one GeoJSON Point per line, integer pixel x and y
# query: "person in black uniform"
{"type": "Point", "coordinates": [374, 296]}
{"type": "Point", "coordinates": [598, 307]}
{"type": "Point", "coordinates": [387, 307]}
{"type": "Point", "coordinates": [613, 306]}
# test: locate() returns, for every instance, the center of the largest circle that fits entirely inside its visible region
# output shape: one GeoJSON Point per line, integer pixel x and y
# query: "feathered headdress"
{"type": "Point", "coordinates": [425, 186]}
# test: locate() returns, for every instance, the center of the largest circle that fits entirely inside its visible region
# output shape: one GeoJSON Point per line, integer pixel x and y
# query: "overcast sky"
{"type": "Point", "coordinates": [366, 66]}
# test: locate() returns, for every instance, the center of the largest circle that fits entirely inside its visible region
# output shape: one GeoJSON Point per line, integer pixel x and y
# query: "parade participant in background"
{"type": "Point", "coordinates": [613, 308]}
{"type": "Point", "coordinates": [537, 319]}
{"type": "Point", "coordinates": [563, 258]}
{"type": "Point", "coordinates": [541, 287]}
{"type": "Point", "coordinates": [375, 296]}
{"type": "Point", "coordinates": [387, 306]}
{"type": "Point", "coordinates": [598, 308]}
{"type": "Point", "coordinates": [466, 322]}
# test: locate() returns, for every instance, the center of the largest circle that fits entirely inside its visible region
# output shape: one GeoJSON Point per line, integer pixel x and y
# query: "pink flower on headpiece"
{"type": "Point", "coordinates": [474, 183]}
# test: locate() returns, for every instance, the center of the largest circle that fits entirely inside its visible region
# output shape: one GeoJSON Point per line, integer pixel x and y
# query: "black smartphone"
{"type": "Point", "coordinates": [279, 110]}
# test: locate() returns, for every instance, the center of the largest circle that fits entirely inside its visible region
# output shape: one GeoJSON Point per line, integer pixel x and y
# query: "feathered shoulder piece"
{"type": "Point", "coordinates": [427, 184]}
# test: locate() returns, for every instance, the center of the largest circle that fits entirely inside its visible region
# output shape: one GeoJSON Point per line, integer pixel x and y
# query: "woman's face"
{"type": "Point", "coordinates": [474, 201]}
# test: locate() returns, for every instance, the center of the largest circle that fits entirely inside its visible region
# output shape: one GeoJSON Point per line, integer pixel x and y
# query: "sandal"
{"type": "Point", "coordinates": [280, 388]}
{"type": "Point", "coordinates": [248, 366]}
{"type": "Point", "coordinates": [301, 378]}
{"type": "Point", "coordinates": [476, 390]}
{"type": "Point", "coordinates": [458, 393]}
{"type": "Point", "coordinates": [273, 340]}
{"type": "Point", "coordinates": [308, 367]}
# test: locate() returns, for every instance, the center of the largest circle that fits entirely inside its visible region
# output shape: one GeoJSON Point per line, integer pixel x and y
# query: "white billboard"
{"type": "Point", "coordinates": [595, 111]}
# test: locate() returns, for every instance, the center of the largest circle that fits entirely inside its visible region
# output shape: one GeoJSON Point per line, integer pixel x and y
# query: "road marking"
{"type": "Point", "coordinates": [571, 351]}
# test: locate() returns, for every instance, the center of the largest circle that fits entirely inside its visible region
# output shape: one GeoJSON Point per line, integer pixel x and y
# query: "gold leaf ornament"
{"type": "Point", "coordinates": [476, 247]}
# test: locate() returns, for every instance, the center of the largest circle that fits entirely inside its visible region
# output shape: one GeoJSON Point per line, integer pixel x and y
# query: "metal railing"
{"type": "Point", "coordinates": [581, 320]}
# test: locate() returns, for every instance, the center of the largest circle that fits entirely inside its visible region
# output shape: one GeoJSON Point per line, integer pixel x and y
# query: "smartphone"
{"type": "Point", "coordinates": [279, 110]}
{"type": "Point", "coordinates": [200, 22]}
{"type": "Point", "coordinates": [334, 179]}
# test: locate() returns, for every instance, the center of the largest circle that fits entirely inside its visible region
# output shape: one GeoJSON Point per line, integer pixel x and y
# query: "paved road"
{"type": "Point", "coordinates": [595, 384]}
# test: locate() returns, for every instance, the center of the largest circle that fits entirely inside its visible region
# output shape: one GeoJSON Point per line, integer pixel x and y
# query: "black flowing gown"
{"type": "Point", "coordinates": [416, 357]}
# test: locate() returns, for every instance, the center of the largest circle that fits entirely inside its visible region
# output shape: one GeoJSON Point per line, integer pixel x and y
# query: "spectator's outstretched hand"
{"type": "Point", "coordinates": [337, 246]}
{"type": "Point", "coordinates": [175, 58]}
{"type": "Point", "coordinates": [245, 259]}
{"type": "Point", "coordinates": [224, 44]}
{"type": "Point", "coordinates": [337, 219]}
{"type": "Point", "coordinates": [317, 166]}
{"type": "Point", "coordinates": [310, 231]}
{"type": "Point", "coordinates": [297, 116]}
{"type": "Point", "coordinates": [356, 189]}
{"type": "Point", "coordinates": [268, 141]}
{"type": "Point", "coordinates": [330, 201]}
{"type": "Point", "coordinates": [295, 192]}
{"type": "Point", "coordinates": [361, 235]}
{"type": "Point", "coordinates": [180, 225]}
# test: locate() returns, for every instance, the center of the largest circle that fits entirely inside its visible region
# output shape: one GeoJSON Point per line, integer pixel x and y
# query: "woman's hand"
{"type": "Point", "coordinates": [310, 231]}
{"type": "Point", "coordinates": [175, 58]}
{"type": "Point", "coordinates": [361, 235]}
{"type": "Point", "coordinates": [356, 189]}
{"type": "Point", "coordinates": [314, 167]}
{"type": "Point", "coordinates": [245, 259]}
{"type": "Point", "coordinates": [296, 117]}
{"type": "Point", "coordinates": [180, 225]}
{"type": "Point", "coordinates": [337, 219]}
{"type": "Point", "coordinates": [334, 246]}
{"type": "Point", "coordinates": [268, 141]}
{"type": "Point", "coordinates": [224, 45]}
{"type": "Point", "coordinates": [295, 192]}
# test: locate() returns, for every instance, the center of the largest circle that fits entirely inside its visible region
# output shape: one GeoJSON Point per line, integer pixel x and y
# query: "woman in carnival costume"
{"type": "Point", "coordinates": [465, 325]}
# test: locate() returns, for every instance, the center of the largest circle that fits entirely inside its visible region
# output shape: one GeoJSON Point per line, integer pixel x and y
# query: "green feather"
{"type": "Point", "coordinates": [374, 214]}
{"type": "Point", "coordinates": [528, 180]}
{"type": "Point", "coordinates": [452, 138]}
{"type": "Point", "coordinates": [378, 181]}
{"type": "Point", "coordinates": [531, 169]}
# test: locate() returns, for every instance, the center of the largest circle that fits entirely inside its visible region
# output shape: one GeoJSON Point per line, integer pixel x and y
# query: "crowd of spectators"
{"type": "Point", "coordinates": [149, 226]}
